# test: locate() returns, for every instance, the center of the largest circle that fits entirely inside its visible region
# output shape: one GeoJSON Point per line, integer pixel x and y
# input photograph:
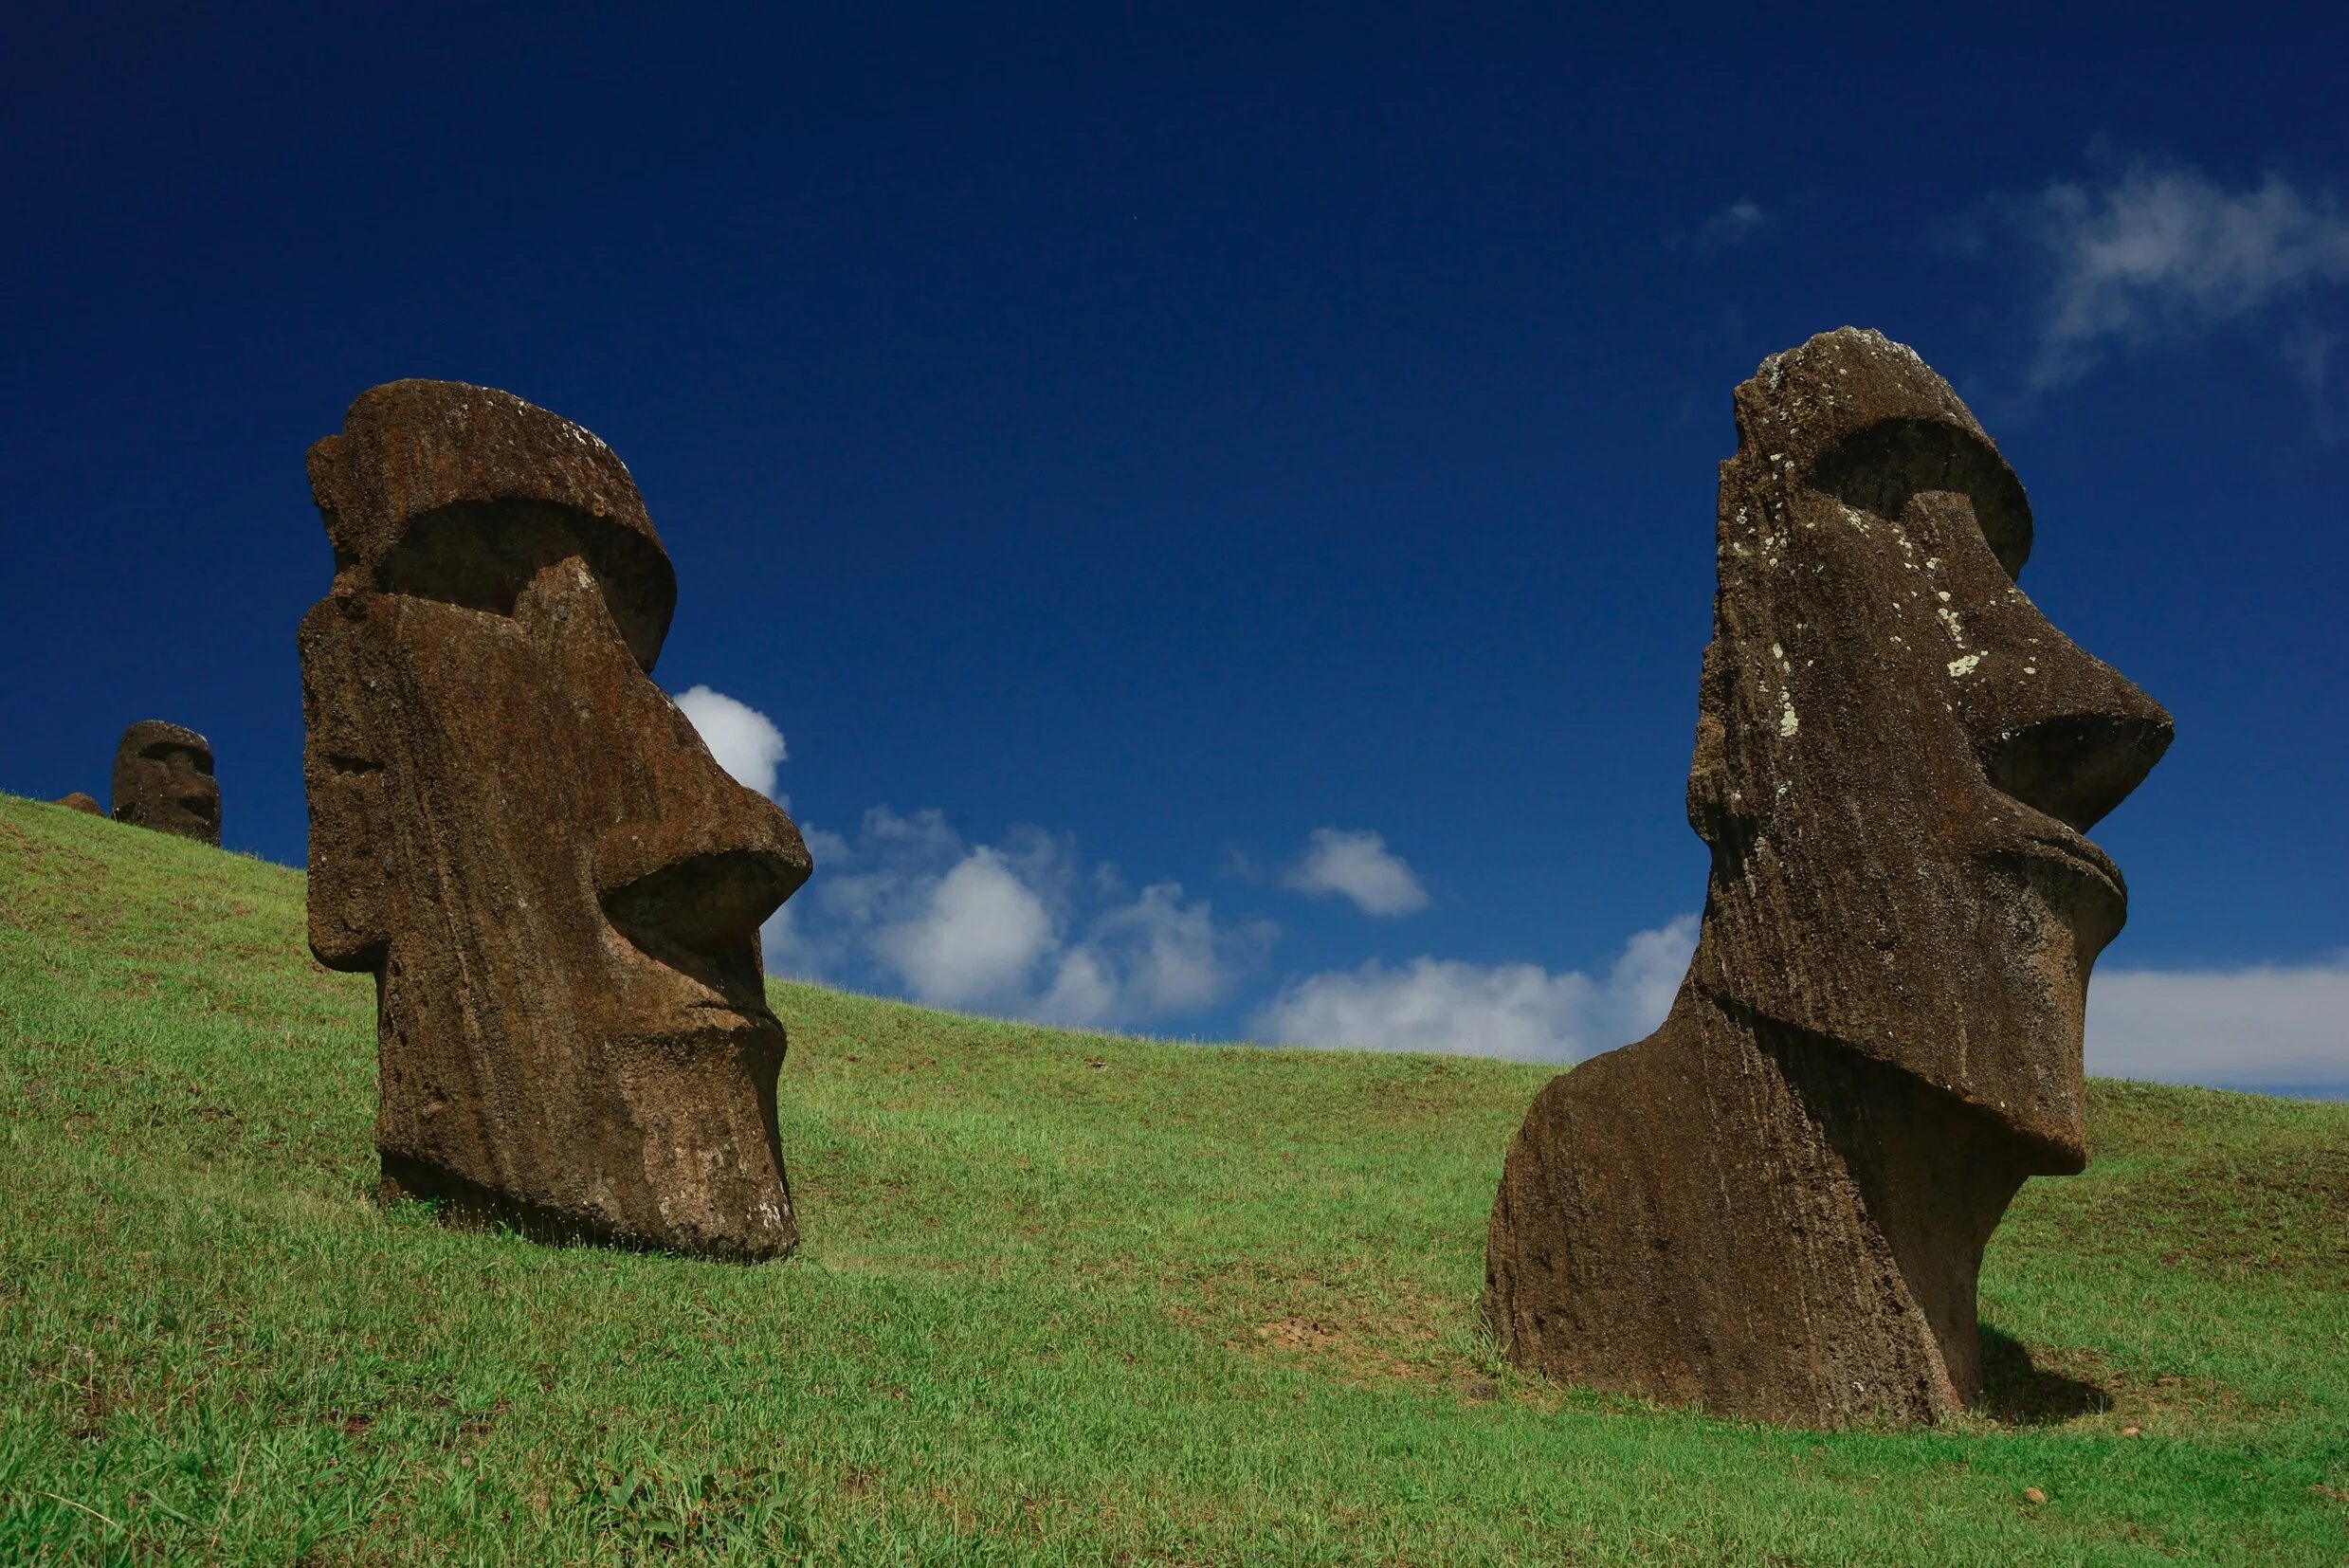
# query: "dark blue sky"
{"type": "Point", "coordinates": [1179, 431]}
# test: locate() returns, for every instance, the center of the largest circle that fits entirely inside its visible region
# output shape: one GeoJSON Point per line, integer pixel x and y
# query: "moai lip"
{"type": "Point", "coordinates": [1776, 1205]}
{"type": "Point", "coordinates": [525, 842]}
{"type": "Point", "coordinates": [163, 779]}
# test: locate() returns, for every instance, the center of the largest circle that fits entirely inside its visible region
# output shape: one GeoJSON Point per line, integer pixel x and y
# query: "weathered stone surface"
{"type": "Point", "coordinates": [1776, 1205]}
{"type": "Point", "coordinates": [163, 779]}
{"type": "Point", "coordinates": [80, 802]}
{"type": "Point", "coordinates": [557, 888]}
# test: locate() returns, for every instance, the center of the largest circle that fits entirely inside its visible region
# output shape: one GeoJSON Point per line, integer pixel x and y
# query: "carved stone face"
{"type": "Point", "coordinates": [1776, 1205]}
{"type": "Point", "coordinates": [558, 889]}
{"type": "Point", "coordinates": [1898, 757]}
{"type": "Point", "coordinates": [163, 779]}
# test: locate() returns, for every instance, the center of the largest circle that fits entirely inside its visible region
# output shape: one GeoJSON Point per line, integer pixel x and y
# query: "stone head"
{"type": "Point", "coordinates": [519, 833]}
{"type": "Point", "coordinates": [1898, 757]}
{"type": "Point", "coordinates": [163, 779]}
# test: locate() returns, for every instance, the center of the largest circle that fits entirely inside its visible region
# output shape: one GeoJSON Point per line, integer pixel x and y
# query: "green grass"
{"type": "Point", "coordinates": [1064, 1297]}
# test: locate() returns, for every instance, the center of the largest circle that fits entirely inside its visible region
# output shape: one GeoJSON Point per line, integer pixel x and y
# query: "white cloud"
{"type": "Point", "coordinates": [785, 950]}
{"type": "Point", "coordinates": [1155, 956]}
{"type": "Point", "coordinates": [2270, 1026]}
{"type": "Point", "coordinates": [881, 880]}
{"type": "Point", "coordinates": [1022, 928]}
{"type": "Point", "coordinates": [1082, 991]}
{"type": "Point", "coordinates": [976, 939]}
{"type": "Point", "coordinates": [2166, 252]}
{"type": "Point", "coordinates": [1359, 866]}
{"type": "Point", "coordinates": [744, 741]}
{"type": "Point", "coordinates": [1520, 1011]}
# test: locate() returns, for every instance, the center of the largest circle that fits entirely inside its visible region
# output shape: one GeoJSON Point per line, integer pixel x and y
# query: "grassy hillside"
{"type": "Point", "coordinates": [1064, 1297]}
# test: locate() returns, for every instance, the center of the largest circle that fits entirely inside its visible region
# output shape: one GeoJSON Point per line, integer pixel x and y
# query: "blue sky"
{"type": "Point", "coordinates": [1215, 506]}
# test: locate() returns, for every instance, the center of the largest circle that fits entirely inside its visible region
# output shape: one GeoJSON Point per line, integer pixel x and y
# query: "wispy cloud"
{"type": "Point", "coordinates": [2268, 1026]}
{"type": "Point", "coordinates": [1732, 225]}
{"type": "Point", "coordinates": [1357, 865]}
{"type": "Point", "coordinates": [1023, 928]}
{"type": "Point", "coordinates": [1520, 1011]}
{"type": "Point", "coordinates": [2165, 253]}
{"type": "Point", "coordinates": [744, 741]}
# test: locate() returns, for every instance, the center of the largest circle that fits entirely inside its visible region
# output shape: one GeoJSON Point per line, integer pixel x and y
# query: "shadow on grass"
{"type": "Point", "coordinates": [2019, 1393]}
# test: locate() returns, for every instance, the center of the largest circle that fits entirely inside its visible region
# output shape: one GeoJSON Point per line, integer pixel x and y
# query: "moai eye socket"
{"type": "Point", "coordinates": [477, 557]}
{"type": "Point", "coordinates": [483, 555]}
{"type": "Point", "coordinates": [1882, 468]}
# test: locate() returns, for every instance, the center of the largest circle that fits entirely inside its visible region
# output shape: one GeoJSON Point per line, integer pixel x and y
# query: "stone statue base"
{"type": "Point", "coordinates": [1753, 1220]}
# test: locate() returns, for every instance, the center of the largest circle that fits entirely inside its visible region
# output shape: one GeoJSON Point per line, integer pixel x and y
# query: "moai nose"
{"type": "Point", "coordinates": [705, 878]}
{"type": "Point", "coordinates": [2079, 751]}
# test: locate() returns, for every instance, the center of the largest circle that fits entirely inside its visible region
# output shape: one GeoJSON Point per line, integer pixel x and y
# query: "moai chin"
{"type": "Point", "coordinates": [557, 890]}
{"type": "Point", "coordinates": [1776, 1205]}
{"type": "Point", "coordinates": [163, 779]}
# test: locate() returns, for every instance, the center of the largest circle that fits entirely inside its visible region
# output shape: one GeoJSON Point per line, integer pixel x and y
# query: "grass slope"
{"type": "Point", "coordinates": [1064, 1297]}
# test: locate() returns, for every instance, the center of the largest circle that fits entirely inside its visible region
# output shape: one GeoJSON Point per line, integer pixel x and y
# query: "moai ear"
{"type": "Point", "coordinates": [324, 463]}
{"type": "Point", "coordinates": [1712, 805]}
{"type": "Point", "coordinates": [343, 775]}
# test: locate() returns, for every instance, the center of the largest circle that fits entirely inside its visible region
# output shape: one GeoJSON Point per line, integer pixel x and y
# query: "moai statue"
{"type": "Point", "coordinates": [77, 801]}
{"type": "Point", "coordinates": [163, 779]}
{"type": "Point", "coordinates": [557, 890]}
{"type": "Point", "coordinates": [1776, 1205]}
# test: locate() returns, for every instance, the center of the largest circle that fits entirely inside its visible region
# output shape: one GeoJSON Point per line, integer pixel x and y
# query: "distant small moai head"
{"type": "Point", "coordinates": [1898, 756]}
{"type": "Point", "coordinates": [522, 838]}
{"type": "Point", "coordinates": [80, 802]}
{"type": "Point", "coordinates": [163, 779]}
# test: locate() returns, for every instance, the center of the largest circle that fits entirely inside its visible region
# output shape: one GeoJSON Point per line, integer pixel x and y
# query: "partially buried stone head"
{"type": "Point", "coordinates": [163, 779]}
{"type": "Point", "coordinates": [1776, 1203]}
{"type": "Point", "coordinates": [556, 887]}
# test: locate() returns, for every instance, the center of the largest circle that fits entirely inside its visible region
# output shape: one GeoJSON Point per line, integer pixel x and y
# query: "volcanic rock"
{"type": "Point", "coordinates": [516, 832]}
{"type": "Point", "coordinates": [1776, 1205]}
{"type": "Point", "coordinates": [163, 779]}
{"type": "Point", "coordinates": [80, 802]}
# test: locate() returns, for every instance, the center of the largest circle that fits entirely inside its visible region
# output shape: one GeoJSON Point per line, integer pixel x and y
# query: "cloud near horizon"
{"type": "Point", "coordinates": [744, 741]}
{"type": "Point", "coordinates": [2164, 253]}
{"type": "Point", "coordinates": [972, 938]}
{"type": "Point", "coordinates": [1517, 1011]}
{"type": "Point", "coordinates": [1021, 929]}
{"type": "Point", "coordinates": [2272, 1026]}
{"type": "Point", "coordinates": [1359, 866]}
